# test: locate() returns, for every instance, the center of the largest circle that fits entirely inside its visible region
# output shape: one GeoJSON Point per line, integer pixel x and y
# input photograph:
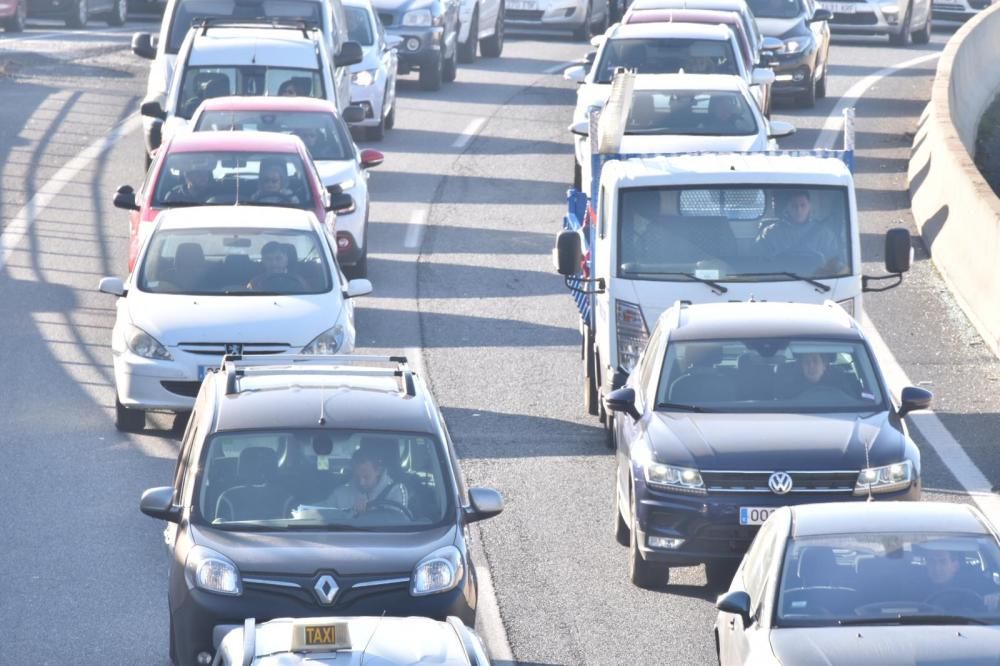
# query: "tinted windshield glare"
{"type": "Point", "coordinates": [778, 9]}
{"type": "Point", "coordinates": [734, 234]}
{"type": "Point", "coordinates": [359, 27]}
{"type": "Point", "coordinates": [716, 113]}
{"type": "Point", "coordinates": [234, 261]}
{"type": "Point", "coordinates": [188, 10]}
{"type": "Point", "coordinates": [667, 56]}
{"type": "Point", "coordinates": [323, 479]}
{"type": "Point", "coordinates": [827, 580]}
{"type": "Point", "coordinates": [323, 134]}
{"type": "Point", "coordinates": [768, 375]}
{"type": "Point", "coordinates": [201, 83]}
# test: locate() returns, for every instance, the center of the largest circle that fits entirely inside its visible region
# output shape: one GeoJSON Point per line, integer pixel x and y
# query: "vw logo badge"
{"type": "Point", "coordinates": [234, 349]}
{"type": "Point", "coordinates": [780, 483]}
{"type": "Point", "coordinates": [326, 589]}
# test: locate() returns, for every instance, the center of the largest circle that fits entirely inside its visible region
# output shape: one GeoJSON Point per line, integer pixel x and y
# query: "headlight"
{"type": "Point", "coordinates": [798, 44]}
{"type": "Point", "coordinates": [632, 333]}
{"type": "Point", "coordinates": [327, 342]}
{"type": "Point", "coordinates": [848, 305]}
{"type": "Point", "coordinates": [681, 479]}
{"type": "Point", "coordinates": [365, 77]}
{"type": "Point", "coordinates": [440, 571]}
{"type": "Point", "coordinates": [212, 571]}
{"type": "Point", "coordinates": [885, 479]}
{"type": "Point", "coordinates": [418, 17]}
{"type": "Point", "coordinates": [143, 344]}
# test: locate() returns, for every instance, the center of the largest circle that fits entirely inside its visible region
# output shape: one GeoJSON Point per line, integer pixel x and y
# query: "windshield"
{"type": "Point", "coordinates": [666, 56]}
{"type": "Point", "coordinates": [889, 578]}
{"type": "Point", "coordinates": [323, 133]}
{"type": "Point", "coordinates": [716, 113]}
{"type": "Point", "coordinates": [323, 479]}
{"type": "Point", "coordinates": [738, 234]}
{"type": "Point", "coordinates": [776, 9]}
{"type": "Point", "coordinates": [234, 261]}
{"type": "Point", "coordinates": [220, 178]}
{"type": "Point", "coordinates": [186, 11]}
{"type": "Point", "coordinates": [769, 375]}
{"type": "Point", "coordinates": [201, 83]}
{"type": "Point", "coordinates": [359, 27]}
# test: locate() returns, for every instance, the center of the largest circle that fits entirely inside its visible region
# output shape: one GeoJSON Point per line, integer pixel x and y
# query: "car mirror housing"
{"type": "Point", "coordinates": [484, 503]}
{"type": "Point", "coordinates": [111, 285]}
{"type": "Point", "coordinates": [736, 602]}
{"type": "Point", "coordinates": [779, 129]}
{"type": "Point", "coordinates": [580, 128]}
{"type": "Point", "coordinates": [762, 76]}
{"type": "Point", "coordinates": [153, 110]}
{"type": "Point", "coordinates": [821, 15]}
{"type": "Point", "coordinates": [622, 400]}
{"type": "Point", "coordinates": [143, 46]}
{"type": "Point", "coordinates": [575, 73]}
{"type": "Point", "coordinates": [569, 253]}
{"type": "Point", "coordinates": [341, 204]}
{"type": "Point", "coordinates": [914, 399]}
{"type": "Point", "coordinates": [371, 158]}
{"type": "Point", "coordinates": [353, 114]}
{"type": "Point", "coordinates": [125, 198]}
{"type": "Point", "coordinates": [159, 503]}
{"type": "Point", "coordinates": [350, 54]}
{"type": "Point", "coordinates": [898, 250]}
{"type": "Point", "coordinates": [358, 287]}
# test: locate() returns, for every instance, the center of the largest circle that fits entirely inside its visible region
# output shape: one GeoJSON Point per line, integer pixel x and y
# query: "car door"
{"type": "Point", "coordinates": [821, 35]}
{"type": "Point", "coordinates": [488, 10]}
{"type": "Point", "coordinates": [735, 640]}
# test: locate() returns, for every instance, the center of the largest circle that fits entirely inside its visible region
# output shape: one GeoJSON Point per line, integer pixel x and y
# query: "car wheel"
{"type": "Point", "coordinates": [116, 17]}
{"type": "Point", "coordinates": [77, 17]}
{"type": "Point", "coordinates": [589, 379]}
{"type": "Point", "coordinates": [449, 70]}
{"type": "Point", "coordinates": [720, 574]}
{"type": "Point", "coordinates": [903, 37]}
{"type": "Point", "coordinates": [601, 26]}
{"type": "Point", "coordinates": [16, 22]}
{"type": "Point", "coordinates": [621, 527]}
{"type": "Point", "coordinates": [390, 118]}
{"type": "Point", "coordinates": [923, 35]}
{"type": "Point", "coordinates": [492, 46]}
{"type": "Point", "coordinates": [129, 420]}
{"type": "Point", "coordinates": [583, 33]}
{"type": "Point", "coordinates": [431, 75]}
{"type": "Point", "coordinates": [642, 573]}
{"type": "Point", "coordinates": [376, 133]}
{"type": "Point", "coordinates": [821, 87]}
{"type": "Point", "coordinates": [807, 98]}
{"type": "Point", "coordinates": [467, 51]}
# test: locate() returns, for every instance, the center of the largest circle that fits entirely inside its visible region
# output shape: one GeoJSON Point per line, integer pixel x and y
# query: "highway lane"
{"type": "Point", "coordinates": [470, 289]}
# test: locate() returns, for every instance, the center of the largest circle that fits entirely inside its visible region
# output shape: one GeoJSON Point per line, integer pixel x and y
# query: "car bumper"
{"type": "Point", "coordinates": [425, 50]}
{"type": "Point", "coordinates": [794, 73]}
{"type": "Point", "coordinates": [43, 8]}
{"type": "Point", "coordinates": [370, 98]}
{"type": "Point", "coordinates": [867, 19]}
{"type": "Point", "coordinates": [954, 12]}
{"type": "Point", "coordinates": [566, 14]}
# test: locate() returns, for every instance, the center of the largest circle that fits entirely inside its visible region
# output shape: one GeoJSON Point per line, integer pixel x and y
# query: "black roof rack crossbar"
{"type": "Point", "coordinates": [203, 23]}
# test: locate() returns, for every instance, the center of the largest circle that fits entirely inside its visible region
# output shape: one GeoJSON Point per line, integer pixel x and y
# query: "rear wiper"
{"type": "Point", "coordinates": [912, 619]}
{"type": "Point", "coordinates": [680, 407]}
{"type": "Point", "coordinates": [718, 288]}
{"type": "Point", "coordinates": [822, 288]}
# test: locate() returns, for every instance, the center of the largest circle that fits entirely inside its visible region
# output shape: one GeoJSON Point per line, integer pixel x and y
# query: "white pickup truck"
{"type": "Point", "coordinates": [705, 227]}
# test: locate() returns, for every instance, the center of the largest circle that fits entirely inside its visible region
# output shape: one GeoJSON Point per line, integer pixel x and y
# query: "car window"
{"type": "Point", "coordinates": [359, 26]}
{"type": "Point", "coordinates": [647, 380]}
{"type": "Point", "coordinates": [201, 83]}
{"type": "Point", "coordinates": [666, 56]}
{"type": "Point", "coordinates": [770, 375]}
{"type": "Point", "coordinates": [324, 479]}
{"type": "Point", "coordinates": [186, 11]}
{"type": "Point", "coordinates": [324, 134]}
{"type": "Point", "coordinates": [776, 9]}
{"type": "Point", "coordinates": [710, 113]}
{"type": "Point", "coordinates": [234, 261]}
{"type": "Point", "coordinates": [879, 577]}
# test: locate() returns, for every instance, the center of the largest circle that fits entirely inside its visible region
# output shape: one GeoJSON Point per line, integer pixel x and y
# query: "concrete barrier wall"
{"type": "Point", "coordinates": [954, 208]}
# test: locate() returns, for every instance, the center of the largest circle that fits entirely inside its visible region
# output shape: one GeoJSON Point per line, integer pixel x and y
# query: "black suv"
{"type": "Point", "coordinates": [313, 486]}
{"type": "Point", "coordinates": [800, 65]}
{"type": "Point", "coordinates": [428, 32]}
{"type": "Point", "coordinates": [737, 409]}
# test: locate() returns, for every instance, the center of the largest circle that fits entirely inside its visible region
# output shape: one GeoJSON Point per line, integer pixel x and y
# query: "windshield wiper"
{"type": "Point", "coordinates": [681, 407]}
{"type": "Point", "coordinates": [911, 619]}
{"type": "Point", "coordinates": [329, 527]}
{"type": "Point", "coordinates": [718, 288]}
{"type": "Point", "coordinates": [821, 287]}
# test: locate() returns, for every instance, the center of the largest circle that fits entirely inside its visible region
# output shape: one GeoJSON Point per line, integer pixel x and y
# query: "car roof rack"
{"type": "Point", "coordinates": [203, 23]}
{"type": "Point", "coordinates": [235, 366]}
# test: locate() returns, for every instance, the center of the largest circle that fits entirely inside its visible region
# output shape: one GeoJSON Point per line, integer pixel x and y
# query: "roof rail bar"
{"type": "Point", "coordinates": [203, 23]}
{"type": "Point", "coordinates": [235, 365]}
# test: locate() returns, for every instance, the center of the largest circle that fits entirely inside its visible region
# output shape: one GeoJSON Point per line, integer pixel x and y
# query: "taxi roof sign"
{"type": "Point", "coordinates": [313, 636]}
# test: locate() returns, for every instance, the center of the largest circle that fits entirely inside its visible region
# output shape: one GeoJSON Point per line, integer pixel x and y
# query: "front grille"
{"type": "Point", "coordinates": [865, 18]}
{"type": "Point", "coordinates": [716, 538]}
{"type": "Point", "coordinates": [840, 481]}
{"type": "Point", "coordinates": [386, 18]}
{"type": "Point", "coordinates": [218, 349]}
{"type": "Point", "coordinates": [186, 389]}
{"type": "Point", "coordinates": [979, 4]}
{"type": "Point", "coordinates": [524, 14]}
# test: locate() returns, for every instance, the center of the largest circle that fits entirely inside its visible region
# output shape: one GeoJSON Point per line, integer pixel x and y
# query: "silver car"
{"type": "Point", "coordinates": [584, 17]}
{"type": "Point", "coordinates": [899, 19]}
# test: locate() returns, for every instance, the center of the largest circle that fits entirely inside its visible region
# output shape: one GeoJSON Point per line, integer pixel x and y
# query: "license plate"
{"type": "Point", "coordinates": [203, 370]}
{"type": "Point", "coordinates": [755, 515]}
{"type": "Point", "coordinates": [321, 635]}
{"type": "Point", "coordinates": [839, 7]}
{"type": "Point", "coordinates": [529, 5]}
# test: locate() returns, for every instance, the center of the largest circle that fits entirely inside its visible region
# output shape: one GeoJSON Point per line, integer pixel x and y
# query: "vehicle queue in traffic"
{"type": "Point", "coordinates": [315, 484]}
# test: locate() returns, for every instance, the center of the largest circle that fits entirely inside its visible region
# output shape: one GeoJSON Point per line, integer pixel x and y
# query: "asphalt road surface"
{"type": "Point", "coordinates": [467, 205]}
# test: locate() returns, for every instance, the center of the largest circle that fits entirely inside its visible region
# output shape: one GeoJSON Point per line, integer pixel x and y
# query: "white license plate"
{"type": "Point", "coordinates": [755, 515]}
{"type": "Point", "coordinates": [529, 5]}
{"type": "Point", "coordinates": [839, 7]}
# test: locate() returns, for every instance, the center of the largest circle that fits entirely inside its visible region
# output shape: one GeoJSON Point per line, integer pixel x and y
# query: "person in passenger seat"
{"type": "Point", "coordinates": [370, 485]}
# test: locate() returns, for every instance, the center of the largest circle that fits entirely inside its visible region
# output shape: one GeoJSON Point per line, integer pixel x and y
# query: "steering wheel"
{"type": "Point", "coordinates": [957, 593]}
{"type": "Point", "coordinates": [391, 505]}
{"type": "Point", "coordinates": [279, 282]}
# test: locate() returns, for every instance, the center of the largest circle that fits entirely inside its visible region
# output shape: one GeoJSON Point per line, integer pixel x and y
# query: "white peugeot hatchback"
{"type": "Point", "coordinates": [212, 281]}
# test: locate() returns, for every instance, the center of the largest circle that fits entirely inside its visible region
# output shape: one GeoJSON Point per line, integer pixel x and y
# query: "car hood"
{"type": "Point", "coordinates": [888, 645]}
{"type": "Point", "coordinates": [173, 319]}
{"type": "Point", "coordinates": [782, 28]}
{"type": "Point", "coordinates": [399, 6]}
{"type": "Point", "coordinates": [304, 553]}
{"type": "Point", "coordinates": [333, 172]}
{"type": "Point", "coordinates": [774, 441]}
{"type": "Point", "coordinates": [653, 143]}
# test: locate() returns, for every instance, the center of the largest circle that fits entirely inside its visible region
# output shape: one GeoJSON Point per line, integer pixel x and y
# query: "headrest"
{"type": "Point", "coordinates": [258, 464]}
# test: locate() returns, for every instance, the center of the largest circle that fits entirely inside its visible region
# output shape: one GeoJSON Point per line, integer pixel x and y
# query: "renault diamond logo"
{"type": "Point", "coordinates": [780, 483]}
{"type": "Point", "coordinates": [326, 589]}
{"type": "Point", "coordinates": [234, 349]}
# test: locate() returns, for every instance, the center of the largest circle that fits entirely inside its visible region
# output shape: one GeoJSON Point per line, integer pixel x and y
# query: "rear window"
{"type": "Point", "coordinates": [667, 56]}
{"type": "Point", "coordinates": [719, 113]}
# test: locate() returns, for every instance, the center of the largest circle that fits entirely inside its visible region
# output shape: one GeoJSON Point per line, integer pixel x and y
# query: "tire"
{"type": "Point", "coordinates": [376, 133]}
{"type": "Point", "coordinates": [600, 28]}
{"type": "Point", "coordinates": [16, 22]}
{"type": "Point", "coordinates": [467, 51]}
{"type": "Point", "coordinates": [589, 377]}
{"type": "Point", "coordinates": [821, 87]}
{"type": "Point", "coordinates": [129, 420]}
{"type": "Point", "coordinates": [583, 33]}
{"type": "Point", "coordinates": [923, 36]}
{"type": "Point", "coordinates": [720, 574]}
{"type": "Point", "coordinates": [622, 532]}
{"type": "Point", "coordinates": [644, 574]}
{"type": "Point", "coordinates": [431, 77]}
{"type": "Point", "coordinates": [492, 46]}
{"type": "Point", "coordinates": [118, 14]}
{"type": "Point", "coordinates": [577, 176]}
{"type": "Point", "coordinates": [449, 69]}
{"type": "Point", "coordinates": [77, 18]}
{"type": "Point", "coordinates": [390, 118]}
{"type": "Point", "coordinates": [807, 99]}
{"type": "Point", "coordinates": [609, 430]}
{"type": "Point", "coordinates": [360, 269]}
{"type": "Point", "coordinates": [903, 38]}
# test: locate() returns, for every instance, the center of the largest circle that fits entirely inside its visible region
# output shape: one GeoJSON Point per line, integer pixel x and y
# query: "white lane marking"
{"type": "Point", "coordinates": [835, 121]}
{"type": "Point", "coordinates": [560, 68]}
{"type": "Point", "coordinates": [415, 229]}
{"type": "Point", "coordinates": [470, 131]}
{"type": "Point", "coordinates": [18, 227]}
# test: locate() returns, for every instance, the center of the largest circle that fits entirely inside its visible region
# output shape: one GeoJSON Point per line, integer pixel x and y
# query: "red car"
{"type": "Point", "coordinates": [228, 169]}
{"type": "Point", "coordinates": [13, 14]}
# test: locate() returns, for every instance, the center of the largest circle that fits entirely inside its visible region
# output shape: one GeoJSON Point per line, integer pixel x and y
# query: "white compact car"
{"type": "Point", "coordinates": [212, 281]}
{"type": "Point", "coordinates": [684, 113]}
{"type": "Point", "coordinates": [373, 80]}
{"type": "Point", "coordinates": [481, 28]}
{"type": "Point", "coordinates": [583, 17]}
{"type": "Point", "coordinates": [899, 19]}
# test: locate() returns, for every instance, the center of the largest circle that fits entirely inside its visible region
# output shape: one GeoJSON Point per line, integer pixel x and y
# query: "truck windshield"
{"type": "Point", "coordinates": [667, 56]}
{"type": "Point", "coordinates": [736, 234]}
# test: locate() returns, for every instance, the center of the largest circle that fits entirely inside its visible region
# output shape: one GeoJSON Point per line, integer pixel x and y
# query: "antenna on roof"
{"type": "Point", "coordinates": [364, 651]}
{"type": "Point", "coordinates": [322, 404]}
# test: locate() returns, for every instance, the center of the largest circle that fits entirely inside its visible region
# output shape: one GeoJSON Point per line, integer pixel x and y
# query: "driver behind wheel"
{"type": "Point", "coordinates": [272, 184]}
{"type": "Point", "coordinates": [798, 231]}
{"type": "Point", "coordinates": [948, 580]}
{"type": "Point", "coordinates": [274, 259]}
{"type": "Point", "coordinates": [370, 485]}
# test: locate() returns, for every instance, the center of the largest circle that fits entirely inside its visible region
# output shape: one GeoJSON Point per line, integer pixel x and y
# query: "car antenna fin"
{"type": "Point", "coordinates": [364, 651]}
{"type": "Point", "coordinates": [322, 404]}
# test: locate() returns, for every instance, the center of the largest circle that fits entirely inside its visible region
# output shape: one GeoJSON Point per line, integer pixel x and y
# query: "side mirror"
{"type": "Point", "coordinates": [371, 158]}
{"type": "Point", "coordinates": [125, 198]}
{"type": "Point", "coordinates": [821, 15]}
{"type": "Point", "coordinates": [359, 287]}
{"type": "Point", "coordinates": [575, 73]}
{"type": "Point", "coordinates": [159, 503]}
{"type": "Point", "coordinates": [111, 285]}
{"type": "Point", "coordinates": [483, 503]}
{"type": "Point", "coordinates": [353, 114]}
{"type": "Point", "coordinates": [619, 378]}
{"type": "Point", "coordinates": [341, 204]}
{"type": "Point", "coordinates": [622, 400]}
{"type": "Point", "coordinates": [736, 602]}
{"type": "Point", "coordinates": [153, 110]}
{"type": "Point", "coordinates": [142, 45]}
{"type": "Point", "coordinates": [569, 253]}
{"type": "Point", "coordinates": [780, 128]}
{"type": "Point", "coordinates": [762, 76]}
{"type": "Point", "coordinates": [350, 54]}
{"type": "Point", "coordinates": [596, 41]}
{"type": "Point", "coordinates": [580, 128]}
{"type": "Point", "coordinates": [393, 41]}
{"type": "Point", "coordinates": [898, 250]}
{"type": "Point", "coordinates": [771, 45]}
{"type": "Point", "coordinates": [914, 399]}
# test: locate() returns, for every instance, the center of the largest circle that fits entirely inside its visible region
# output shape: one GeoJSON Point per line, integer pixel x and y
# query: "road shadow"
{"type": "Point", "coordinates": [485, 434]}
{"type": "Point", "coordinates": [458, 281]}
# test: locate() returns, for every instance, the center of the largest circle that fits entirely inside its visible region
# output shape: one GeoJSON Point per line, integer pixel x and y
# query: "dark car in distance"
{"type": "Point", "coordinates": [76, 13]}
{"type": "Point", "coordinates": [800, 65]}
{"type": "Point", "coordinates": [428, 30]}
{"type": "Point", "coordinates": [737, 409]}
{"type": "Point", "coordinates": [315, 486]}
